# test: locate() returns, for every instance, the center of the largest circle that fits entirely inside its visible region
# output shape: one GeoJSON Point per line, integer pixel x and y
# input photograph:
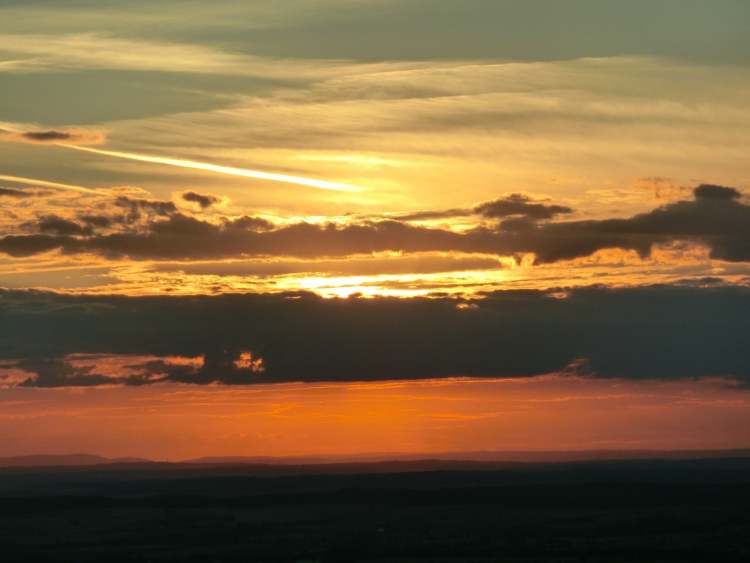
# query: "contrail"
{"type": "Point", "coordinates": [229, 170]}
{"type": "Point", "coordinates": [46, 184]}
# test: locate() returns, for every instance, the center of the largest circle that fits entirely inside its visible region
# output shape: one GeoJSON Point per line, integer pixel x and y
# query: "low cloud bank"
{"type": "Point", "coordinates": [658, 332]}
{"type": "Point", "coordinates": [716, 217]}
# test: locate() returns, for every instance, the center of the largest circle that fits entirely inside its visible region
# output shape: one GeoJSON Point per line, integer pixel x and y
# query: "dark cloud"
{"type": "Point", "coordinates": [100, 221]}
{"type": "Point", "coordinates": [509, 206]}
{"type": "Point", "coordinates": [435, 215]}
{"type": "Point", "coordinates": [712, 218]}
{"type": "Point", "coordinates": [203, 200]}
{"type": "Point", "coordinates": [52, 224]}
{"type": "Point", "coordinates": [13, 192]}
{"type": "Point", "coordinates": [137, 206]}
{"type": "Point", "coordinates": [183, 227]}
{"type": "Point", "coordinates": [43, 136]}
{"type": "Point", "coordinates": [518, 204]}
{"type": "Point", "coordinates": [710, 191]}
{"type": "Point", "coordinates": [186, 237]}
{"type": "Point", "coordinates": [69, 136]}
{"type": "Point", "coordinates": [56, 372]}
{"type": "Point", "coordinates": [658, 332]}
{"type": "Point", "coordinates": [715, 217]}
{"type": "Point", "coordinates": [20, 246]}
{"type": "Point", "coordinates": [231, 367]}
{"type": "Point", "coordinates": [136, 209]}
{"type": "Point", "coordinates": [250, 223]}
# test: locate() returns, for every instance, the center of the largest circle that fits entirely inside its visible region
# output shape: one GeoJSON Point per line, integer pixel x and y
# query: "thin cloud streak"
{"type": "Point", "coordinates": [47, 184]}
{"type": "Point", "coordinates": [228, 170]}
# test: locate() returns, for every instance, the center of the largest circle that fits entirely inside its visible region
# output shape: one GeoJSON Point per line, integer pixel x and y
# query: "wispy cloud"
{"type": "Point", "coordinates": [59, 53]}
{"type": "Point", "coordinates": [465, 130]}
{"type": "Point", "coordinates": [92, 50]}
{"type": "Point", "coordinates": [226, 170]}
{"type": "Point", "coordinates": [48, 184]}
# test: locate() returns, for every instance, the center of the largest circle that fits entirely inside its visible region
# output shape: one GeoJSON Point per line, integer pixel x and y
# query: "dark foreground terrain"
{"type": "Point", "coordinates": [605, 511]}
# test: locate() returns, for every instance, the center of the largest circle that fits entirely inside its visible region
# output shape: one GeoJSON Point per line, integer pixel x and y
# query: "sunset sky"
{"type": "Point", "coordinates": [310, 227]}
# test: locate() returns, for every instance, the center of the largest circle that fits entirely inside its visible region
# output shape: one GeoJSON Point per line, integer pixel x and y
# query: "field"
{"type": "Point", "coordinates": [610, 511]}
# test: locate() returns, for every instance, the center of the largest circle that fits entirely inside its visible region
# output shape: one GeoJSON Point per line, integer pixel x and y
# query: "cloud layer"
{"type": "Point", "coordinates": [657, 332]}
{"type": "Point", "coordinates": [716, 217]}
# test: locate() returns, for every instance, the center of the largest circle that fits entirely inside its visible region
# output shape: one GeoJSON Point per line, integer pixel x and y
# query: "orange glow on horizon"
{"type": "Point", "coordinates": [171, 421]}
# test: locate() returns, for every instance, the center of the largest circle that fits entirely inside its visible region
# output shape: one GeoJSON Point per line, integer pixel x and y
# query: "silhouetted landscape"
{"type": "Point", "coordinates": [649, 509]}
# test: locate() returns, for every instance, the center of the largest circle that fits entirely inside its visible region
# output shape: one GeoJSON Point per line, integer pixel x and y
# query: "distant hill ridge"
{"type": "Point", "coordinates": [64, 460]}
{"type": "Point", "coordinates": [85, 460]}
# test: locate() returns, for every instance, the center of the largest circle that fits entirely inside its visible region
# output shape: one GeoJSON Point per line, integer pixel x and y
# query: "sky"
{"type": "Point", "coordinates": [347, 226]}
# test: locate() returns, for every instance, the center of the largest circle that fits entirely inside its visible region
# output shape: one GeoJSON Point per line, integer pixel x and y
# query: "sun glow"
{"type": "Point", "coordinates": [397, 285]}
